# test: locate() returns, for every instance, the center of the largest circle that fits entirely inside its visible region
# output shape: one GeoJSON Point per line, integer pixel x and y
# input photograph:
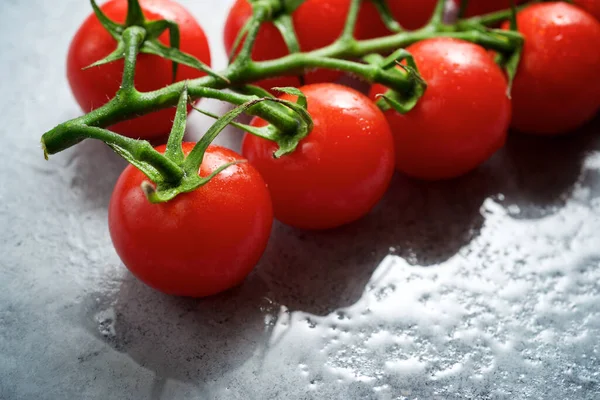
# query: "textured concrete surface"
{"type": "Point", "coordinates": [481, 288]}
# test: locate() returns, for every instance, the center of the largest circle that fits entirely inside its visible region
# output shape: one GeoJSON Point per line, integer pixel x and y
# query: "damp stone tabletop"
{"type": "Point", "coordinates": [485, 287]}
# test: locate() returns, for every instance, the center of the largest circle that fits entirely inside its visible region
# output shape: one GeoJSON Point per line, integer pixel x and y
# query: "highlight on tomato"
{"type": "Point", "coordinates": [339, 172]}
{"type": "Point", "coordinates": [461, 120]}
{"type": "Point", "coordinates": [93, 87]}
{"type": "Point", "coordinates": [556, 89]}
{"type": "Point", "coordinates": [199, 243]}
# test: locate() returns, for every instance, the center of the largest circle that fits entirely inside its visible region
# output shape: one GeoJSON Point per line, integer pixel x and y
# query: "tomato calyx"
{"type": "Point", "coordinates": [287, 141]}
{"type": "Point", "coordinates": [166, 188]}
{"type": "Point", "coordinates": [406, 100]}
{"type": "Point", "coordinates": [150, 43]}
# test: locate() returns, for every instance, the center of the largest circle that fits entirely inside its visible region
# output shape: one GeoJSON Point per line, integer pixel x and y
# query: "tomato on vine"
{"type": "Point", "coordinates": [317, 23]}
{"type": "Point", "coordinates": [461, 120]}
{"type": "Point", "coordinates": [199, 243]}
{"type": "Point", "coordinates": [93, 87]}
{"type": "Point", "coordinates": [339, 172]}
{"type": "Point", "coordinates": [556, 89]}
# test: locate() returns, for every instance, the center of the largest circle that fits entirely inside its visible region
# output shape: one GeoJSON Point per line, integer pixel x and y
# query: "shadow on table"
{"type": "Point", "coordinates": [541, 172]}
{"type": "Point", "coordinates": [97, 168]}
{"type": "Point", "coordinates": [426, 223]}
{"type": "Point", "coordinates": [188, 340]}
{"type": "Point", "coordinates": [198, 341]}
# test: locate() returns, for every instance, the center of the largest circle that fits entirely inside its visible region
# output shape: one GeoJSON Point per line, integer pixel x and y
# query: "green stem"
{"type": "Point", "coordinates": [498, 16]}
{"type": "Point", "coordinates": [260, 14]}
{"type": "Point", "coordinates": [386, 16]}
{"type": "Point", "coordinates": [174, 151]}
{"type": "Point", "coordinates": [133, 38]}
{"type": "Point", "coordinates": [350, 26]}
{"type": "Point", "coordinates": [134, 103]}
{"type": "Point", "coordinates": [438, 14]}
{"type": "Point", "coordinates": [140, 150]}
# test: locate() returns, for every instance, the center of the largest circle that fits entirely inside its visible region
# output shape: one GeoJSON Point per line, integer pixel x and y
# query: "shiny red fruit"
{"type": "Point", "coordinates": [460, 121]}
{"type": "Point", "coordinates": [338, 172]}
{"type": "Point", "coordinates": [557, 87]}
{"type": "Point", "coordinates": [95, 86]}
{"type": "Point", "coordinates": [200, 243]}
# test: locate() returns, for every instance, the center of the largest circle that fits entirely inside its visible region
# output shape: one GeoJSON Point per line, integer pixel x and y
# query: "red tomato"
{"type": "Point", "coordinates": [318, 23]}
{"type": "Point", "coordinates": [591, 6]}
{"type": "Point", "coordinates": [95, 86]}
{"type": "Point", "coordinates": [200, 243]}
{"type": "Point", "coordinates": [480, 7]}
{"type": "Point", "coordinates": [339, 171]}
{"type": "Point", "coordinates": [557, 88]}
{"type": "Point", "coordinates": [460, 121]}
{"type": "Point", "coordinates": [411, 14]}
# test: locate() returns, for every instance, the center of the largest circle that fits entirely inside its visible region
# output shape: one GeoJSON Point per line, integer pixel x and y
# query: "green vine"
{"type": "Point", "coordinates": [172, 173]}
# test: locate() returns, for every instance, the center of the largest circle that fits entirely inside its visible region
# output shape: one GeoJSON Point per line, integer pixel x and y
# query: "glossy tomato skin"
{"type": "Point", "coordinates": [411, 14]}
{"type": "Point", "coordinates": [591, 6]}
{"type": "Point", "coordinates": [556, 88]}
{"type": "Point", "coordinates": [460, 121]}
{"type": "Point", "coordinates": [200, 243]}
{"type": "Point", "coordinates": [317, 23]}
{"type": "Point", "coordinates": [93, 87]}
{"type": "Point", "coordinates": [339, 172]}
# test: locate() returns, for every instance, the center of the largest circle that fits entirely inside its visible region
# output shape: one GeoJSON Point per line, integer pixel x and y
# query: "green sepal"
{"type": "Point", "coordinates": [112, 27]}
{"type": "Point", "coordinates": [301, 101]}
{"type": "Point", "coordinates": [156, 28]}
{"type": "Point", "coordinates": [161, 193]}
{"type": "Point", "coordinates": [118, 54]}
{"type": "Point", "coordinates": [164, 191]}
{"type": "Point", "coordinates": [146, 168]}
{"type": "Point", "coordinates": [405, 101]}
{"type": "Point", "coordinates": [263, 132]}
{"type": "Point", "coordinates": [151, 45]}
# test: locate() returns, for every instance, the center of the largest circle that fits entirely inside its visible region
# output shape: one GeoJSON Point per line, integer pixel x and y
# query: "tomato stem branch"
{"type": "Point", "coordinates": [129, 102]}
{"type": "Point", "coordinates": [133, 37]}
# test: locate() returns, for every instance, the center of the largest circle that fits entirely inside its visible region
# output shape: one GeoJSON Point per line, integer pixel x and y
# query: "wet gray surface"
{"type": "Point", "coordinates": [481, 288]}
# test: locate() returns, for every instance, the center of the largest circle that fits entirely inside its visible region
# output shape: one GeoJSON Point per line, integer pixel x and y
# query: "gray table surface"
{"type": "Point", "coordinates": [486, 287]}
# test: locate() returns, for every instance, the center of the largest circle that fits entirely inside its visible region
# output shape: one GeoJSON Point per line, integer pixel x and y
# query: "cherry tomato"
{"type": "Point", "coordinates": [339, 171]}
{"type": "Point", "coordinates": [460, 121]}
{"type": "Point", "coordinates": [480, 7]}
{"type": "Point", "coordinates": [557, 88]}
{"type": "Point", "coordinates": [591, 6]}
{"type": "Point", "coordinates": [95, 86]}
{"type": "Point", "coordinates": [317, 23]}
{"type": "Point", "coordinates": [200, 243]}
{"type": "Point", "coordinates": [411, 14]}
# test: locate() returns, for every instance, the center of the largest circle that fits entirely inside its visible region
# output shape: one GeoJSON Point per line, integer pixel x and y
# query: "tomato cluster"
{"type": "Point", "coordinates": [208, 240]}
